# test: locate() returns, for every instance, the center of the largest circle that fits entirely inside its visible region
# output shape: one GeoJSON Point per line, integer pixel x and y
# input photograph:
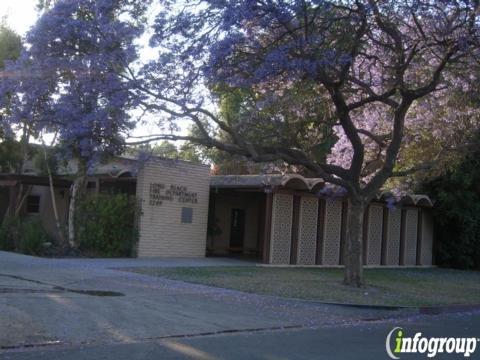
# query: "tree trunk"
{"type": "Point", "coordinates": [12, 203]}
{"type": "Point", "coordinates": [58, 225]}
{"type": "Point", "coordinates": [353, 273]}
{"type": "Point", "coordinates": [22, 197]}
{"type": "Point", "coordinates": [78, 188]}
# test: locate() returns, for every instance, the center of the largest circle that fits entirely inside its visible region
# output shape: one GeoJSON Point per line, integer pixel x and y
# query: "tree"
{"type": "Point", "coordinates": [10, 45]}
{"type": "Point", "coordinates": [368, 61]}
{"type": "Point", "coordinates": [71, 80]}
{"type": "Point", "coordinates": [10, 48]}
{"type": "Point", "coordinates": [12, 152]}
{"type": "Point", "coordinates": [297, 112]}
{"type": "Point", "coordinates": [10, 156]}
{"type": "Point", "coordinates": [166, 149]}
{"type": "Point", "coordinates": [457, 211]}
{"type": "Point", "coordinates": [441, 129]}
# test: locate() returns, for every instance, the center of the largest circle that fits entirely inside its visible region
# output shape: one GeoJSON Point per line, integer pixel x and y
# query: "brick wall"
{"type": "Point", "coordinates": [162, 232]}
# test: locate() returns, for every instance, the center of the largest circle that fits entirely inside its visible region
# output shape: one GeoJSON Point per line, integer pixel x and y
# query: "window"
{"type": "Point", "coordinates": [91, 185]}
{"type": "Point", "coordinates": [33, 204]}
{"type": "Point", "coordinates": [187, 215]}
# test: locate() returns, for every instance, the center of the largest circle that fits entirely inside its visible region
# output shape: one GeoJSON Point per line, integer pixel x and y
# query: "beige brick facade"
{"type": "Point", "coordinates": [164, 187]}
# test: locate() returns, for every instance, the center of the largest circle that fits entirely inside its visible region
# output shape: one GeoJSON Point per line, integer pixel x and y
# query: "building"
{"type": "Point", "coordinates": [277, 219]}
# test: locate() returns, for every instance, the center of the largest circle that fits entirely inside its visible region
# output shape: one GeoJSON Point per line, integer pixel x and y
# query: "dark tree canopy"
{"type": "Point", "coordinates": [457, 212]}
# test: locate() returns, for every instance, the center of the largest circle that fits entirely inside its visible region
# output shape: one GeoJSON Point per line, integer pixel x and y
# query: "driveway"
{"type": "Point", "coordinates": [71, 303]}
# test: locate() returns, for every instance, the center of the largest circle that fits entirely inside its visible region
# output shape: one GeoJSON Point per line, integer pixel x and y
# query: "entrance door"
{"type": "Point", "coordinates": [237, 230]}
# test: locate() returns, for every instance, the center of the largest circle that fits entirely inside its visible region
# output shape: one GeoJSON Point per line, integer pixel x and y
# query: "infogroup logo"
{"type": "Point", "coordinates": [397, 343]}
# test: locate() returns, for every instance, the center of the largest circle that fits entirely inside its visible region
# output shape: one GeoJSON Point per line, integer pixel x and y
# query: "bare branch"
{"type": "Point", "coordinates": [259, 154]}
{"type": "Point", "coordinates": [393, 148]}
{"type": "Point", "coordinates": [413, 170]}
{"type": "Point", "coordinates": [379, 139]}
{"type": "Point", "coordinates": [351, 131]}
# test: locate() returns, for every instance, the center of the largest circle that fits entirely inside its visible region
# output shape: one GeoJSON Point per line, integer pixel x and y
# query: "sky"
{"type": "Point", "coordinates": [19, 14]}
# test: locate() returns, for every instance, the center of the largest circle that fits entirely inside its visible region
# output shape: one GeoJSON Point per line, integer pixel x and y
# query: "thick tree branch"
{"type": "Point", "coordinates": [351, 132]}
{"type": "Point", "coordinates": [413, 170]}
{"type": "Point", "coordinates": [432, 84]}
{"type": "Point", "coordinates": [260, 154]}
{"type": "Point", "coordinates": [379, 139]}
{"type": "Point", "coordinates": [373, 97]}
{"type": "Point", "coordinates": [392, 150]}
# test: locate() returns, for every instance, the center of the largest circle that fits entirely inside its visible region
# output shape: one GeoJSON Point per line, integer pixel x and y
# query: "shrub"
{"type": "Point", "coordinates": [9, 234]}
{"type": "Point", "coordinates": [24, 235]}
{"type": "Point", "coordinates": [32, 237]}
{"type": "Point", "coordinates": [105, 225]}
{"type": "Point", "coordinates": [457, 214]}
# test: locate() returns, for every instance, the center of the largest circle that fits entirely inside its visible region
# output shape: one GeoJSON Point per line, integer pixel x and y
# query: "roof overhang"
{"type": "Point", "coordinates": [291, 181]}
{"type": "Point", "coordinates": [14, 179]}
{"type": "Point", "coordinates": [406, 200]}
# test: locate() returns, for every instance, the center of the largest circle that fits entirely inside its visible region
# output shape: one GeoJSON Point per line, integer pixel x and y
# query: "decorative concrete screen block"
{"type": "Point", "coordinates": [410, 250]}
{"type": "Point", "coordinates": [307, 231]}
{"type": "Point", "coordinates": [332, 232]}
{"type": "Point", "coordinates": [427, 238]}
{"type": "Point", "coordinates": [374, 241]}
{"type": "Point", "coordinates": [165, 189]}
{"type": "Point", "coordinates": [393, 236]}
{"type": "Point", "coordinates": [281, 237]}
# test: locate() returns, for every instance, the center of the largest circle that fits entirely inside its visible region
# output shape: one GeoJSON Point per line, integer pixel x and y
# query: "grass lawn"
{"type": "Point", "coordinates": [396, 287]}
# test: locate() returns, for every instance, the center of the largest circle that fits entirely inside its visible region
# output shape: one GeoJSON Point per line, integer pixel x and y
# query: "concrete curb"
{"type": "Point", "coordinates": [426, 310]}
{"type": "Point", "coordinates": [350, 305]}
{"type": "Point", "coordinates": [448, 309]}
{"type": "Point", "coordinates": [290, 266]}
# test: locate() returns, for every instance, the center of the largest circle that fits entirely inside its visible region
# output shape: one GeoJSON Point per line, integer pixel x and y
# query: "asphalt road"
{"type": "Point", "coordinates": [363, 340]}
{"type": "Point", "coordinates": [54, 309]}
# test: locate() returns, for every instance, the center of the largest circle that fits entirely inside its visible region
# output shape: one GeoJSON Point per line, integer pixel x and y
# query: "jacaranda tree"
{"type": "Point", "coordinates": [71, 80]}
{"type": "Point", "coordinates": [10, 48]}
{"type": "Point", "coordinates": [367, 63]}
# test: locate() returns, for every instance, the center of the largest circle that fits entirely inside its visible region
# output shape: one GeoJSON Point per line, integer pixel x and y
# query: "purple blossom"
{"type": "Point", "coordinates": [70, 78]}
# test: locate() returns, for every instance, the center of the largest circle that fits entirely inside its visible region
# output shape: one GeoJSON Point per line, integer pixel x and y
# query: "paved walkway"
{"type": "Point", "coordinates": [45, 301]}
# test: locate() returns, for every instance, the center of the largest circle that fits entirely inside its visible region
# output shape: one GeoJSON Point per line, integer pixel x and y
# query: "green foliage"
{"type": "Point", "coordinates": [106, 225]}
{"type": "Point", "coordinates": [26, 236]}
{"type": "Point", "coordinates": [457, 214]}
{"type": "Point", "coordinates": [189, 152]}
{"type": "Point", "coordinates": [10, 45]}
{"type": "Point", "coordinates": [298, 119]}
{"type": "Point", "coordinates": [169, 150]}
{"type": "Point", "coordinates": [44, 4]}
{"type": "Point", "coordinates": [9, 234]}
{"type": "Point", "coordinates": [32, 237]}
{"type": "Point", "coordinates": [165, 149]}
{"type": "Point", "coordinates": [10, 155]}
{"type": "Point", "coordinates": [10, 48]}
{"type": "Point", "coordinates": [40, 164]}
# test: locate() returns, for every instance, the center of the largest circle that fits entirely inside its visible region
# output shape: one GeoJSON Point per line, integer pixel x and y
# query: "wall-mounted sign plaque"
{"type": "Point", "coordinates": [161, 192]}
